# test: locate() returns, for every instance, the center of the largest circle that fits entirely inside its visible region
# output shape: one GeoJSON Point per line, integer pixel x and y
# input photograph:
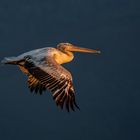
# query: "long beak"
{"type": "Point", "coordinates": [86, 50]}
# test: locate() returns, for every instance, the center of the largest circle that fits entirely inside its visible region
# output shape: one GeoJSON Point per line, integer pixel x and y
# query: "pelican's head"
{"type": "Point", "coordinates": [67, 47]}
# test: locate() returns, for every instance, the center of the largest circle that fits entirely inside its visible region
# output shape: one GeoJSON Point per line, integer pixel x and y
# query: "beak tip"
{"type": "Point", "coordinates": [99, 52]}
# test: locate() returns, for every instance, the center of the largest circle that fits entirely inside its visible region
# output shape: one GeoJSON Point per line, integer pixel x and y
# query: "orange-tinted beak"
{"type": "Point", "coordinates": [85, 50]}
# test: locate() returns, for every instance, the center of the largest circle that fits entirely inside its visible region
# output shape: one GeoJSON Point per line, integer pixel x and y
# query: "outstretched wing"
{"type": "Point", "coordinates": [57, 79]}
{"type": "Point", "coordinates": [33, 83]}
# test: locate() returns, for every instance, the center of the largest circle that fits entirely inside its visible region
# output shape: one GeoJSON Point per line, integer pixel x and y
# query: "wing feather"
{"type": "Point", "coordinates": [54, 77]}
{"type": "Point", "coordinates": [35, 85]}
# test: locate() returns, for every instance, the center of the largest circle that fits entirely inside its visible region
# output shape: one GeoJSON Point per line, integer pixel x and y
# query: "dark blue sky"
{"type": "Point", "coordinates": [107, 86]}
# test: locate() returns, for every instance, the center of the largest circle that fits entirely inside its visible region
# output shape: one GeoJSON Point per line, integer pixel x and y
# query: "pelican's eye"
{"type": "Point", "coordinates": [68, 44]}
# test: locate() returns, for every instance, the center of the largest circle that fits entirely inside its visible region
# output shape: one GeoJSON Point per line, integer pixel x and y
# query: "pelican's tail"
{"type": "Point", "coordinates": [10, 60]}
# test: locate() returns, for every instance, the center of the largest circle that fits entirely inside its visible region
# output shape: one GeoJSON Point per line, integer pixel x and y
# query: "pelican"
{"type": "Point", "coordinates": [44, 70]}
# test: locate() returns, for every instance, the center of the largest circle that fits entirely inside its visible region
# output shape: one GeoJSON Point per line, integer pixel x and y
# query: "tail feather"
{"type": "Point", "coordinates": [9, 60]}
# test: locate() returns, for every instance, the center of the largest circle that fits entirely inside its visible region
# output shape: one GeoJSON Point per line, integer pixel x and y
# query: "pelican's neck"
{"type": "Point", "coordinates": [61, 57]}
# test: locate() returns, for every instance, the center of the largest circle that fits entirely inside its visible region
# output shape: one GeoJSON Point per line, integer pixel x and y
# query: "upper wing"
{"type": "Point", "coordinates": [57, 79]}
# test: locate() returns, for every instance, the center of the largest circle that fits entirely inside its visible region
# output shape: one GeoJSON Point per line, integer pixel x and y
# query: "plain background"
{"type": "Point", "coordinates": [107, 86]}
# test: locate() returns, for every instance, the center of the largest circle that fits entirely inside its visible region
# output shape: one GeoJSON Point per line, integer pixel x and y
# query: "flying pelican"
{"type": "Point", "coordinates": [44, 70]}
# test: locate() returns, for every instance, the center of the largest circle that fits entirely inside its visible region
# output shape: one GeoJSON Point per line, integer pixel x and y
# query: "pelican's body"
{"type": "Point", "coordinates": [44, 70]}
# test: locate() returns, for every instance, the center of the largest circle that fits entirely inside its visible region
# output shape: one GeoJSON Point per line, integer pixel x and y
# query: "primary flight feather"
{"type": "Point", "coordinates": [44, 70]}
